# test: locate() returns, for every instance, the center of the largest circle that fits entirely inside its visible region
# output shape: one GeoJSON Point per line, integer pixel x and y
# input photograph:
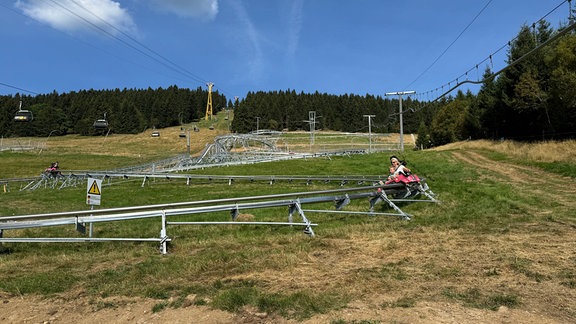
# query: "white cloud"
{"type": "Point", "coordinates": [79, 15]}
{"type": "Point", "coordinates": [252, 46]}
{"type": "Point", "coordinates": [294, 28]}
{"type": "Point", "coordinates": [204, 9]}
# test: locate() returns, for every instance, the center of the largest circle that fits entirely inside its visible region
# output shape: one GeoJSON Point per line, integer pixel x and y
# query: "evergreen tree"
{"type": "Point", "coordinates": [449, 124]}
{"type": "Point", "coordinates": [562, 94]}
{"type": "Point", "coordinates": [424, 140]}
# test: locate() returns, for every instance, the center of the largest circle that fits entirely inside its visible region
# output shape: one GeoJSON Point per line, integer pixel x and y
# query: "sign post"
{"type": "Point", "coordinates": [93, 191]}
{"type": "Point", "coordinates": [93, 195]}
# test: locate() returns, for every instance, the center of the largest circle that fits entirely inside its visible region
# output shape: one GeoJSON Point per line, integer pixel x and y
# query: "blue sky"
{"type": "Point", "coordinates": [330, 46]}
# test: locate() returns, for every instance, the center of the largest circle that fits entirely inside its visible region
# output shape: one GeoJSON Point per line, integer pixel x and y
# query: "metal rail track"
{"type": "Point", "coordinates": [293, 201]}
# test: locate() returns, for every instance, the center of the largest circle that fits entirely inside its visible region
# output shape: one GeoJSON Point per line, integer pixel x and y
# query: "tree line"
{"type": "Point", "coordinates": [533, 99]}
{"type": "Point", "coordinates": [127, 111]}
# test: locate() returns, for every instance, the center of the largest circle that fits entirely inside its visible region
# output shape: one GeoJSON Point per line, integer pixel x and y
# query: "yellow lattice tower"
{"type": "Point", "coordinates": [209, 103]}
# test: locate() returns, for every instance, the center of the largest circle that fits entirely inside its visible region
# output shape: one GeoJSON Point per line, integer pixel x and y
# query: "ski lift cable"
{"type": "Point", "coordinates": [18, 88]}
{"type": "Point", "coordinates": [490, 57]}
{"type": "Point", "coordinates": [192, 75]}
{"type": "Point", "coordinates": [447, 48]}
{"type": "Point", "coordinates": [174, 68]}
{"type": "Point", "coordinates": [97, 48]}
{"type": "Point", "coordinates": [520, 59]}
{"type": "Point", "coordinates": [109, 34]}
{"type": "Point", "coordinates": [165, 61]}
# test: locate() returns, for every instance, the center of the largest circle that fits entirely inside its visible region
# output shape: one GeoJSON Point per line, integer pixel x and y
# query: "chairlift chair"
{"type": "Point", "coordinates": [101, 124]}
{"type": "Point", "coordinates": [23, 115]}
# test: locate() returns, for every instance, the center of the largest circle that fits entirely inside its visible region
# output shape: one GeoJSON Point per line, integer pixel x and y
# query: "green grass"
{"type": "Point", "coordinates": [31, 164]}
{"type": "Point", "coordinates": [233, 296]}
{"type": "Point", "coordinates": [210, 261]}
{"type": "Point", "coordinates": [474, 297]}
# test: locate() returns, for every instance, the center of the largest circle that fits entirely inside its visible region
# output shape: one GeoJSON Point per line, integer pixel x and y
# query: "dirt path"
{"type": "Point", "coordinates": [536, 182]}
{"type": "Point", "coordinates": [33, 310]}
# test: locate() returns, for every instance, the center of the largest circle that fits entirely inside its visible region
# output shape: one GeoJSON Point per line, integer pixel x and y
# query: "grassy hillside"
{"type": "Point", "coordinates": [501, 239]}
{"type": "Point", "coordinates": [75, 152]}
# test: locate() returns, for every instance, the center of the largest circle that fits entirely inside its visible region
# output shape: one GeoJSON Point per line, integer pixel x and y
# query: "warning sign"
{"type": "Point", "coordinates": [93, 192]}
{"type": "Point", "coordinates": [94, 189]}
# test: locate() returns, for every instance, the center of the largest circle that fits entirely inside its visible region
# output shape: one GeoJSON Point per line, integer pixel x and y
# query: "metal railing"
{"type": "Point", "coordinates": [293, 201]}
{"type": "Point", "coordinates": [72, 178]}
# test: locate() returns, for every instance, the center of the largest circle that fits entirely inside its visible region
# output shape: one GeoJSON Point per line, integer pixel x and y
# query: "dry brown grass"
{"type": "Point", "coordinates": [327, 141]}
{"type": "Point", "coordinates": [170, 143]}
{"type": "Point", "coordinates": [135, 145]}
{"type": "Point", "coordinates": [549, 151]}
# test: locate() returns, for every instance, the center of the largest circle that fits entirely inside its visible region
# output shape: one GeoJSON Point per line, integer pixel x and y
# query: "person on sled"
{"type": "Point", "coordinates": [396, 168]}
{"type": "Point", "coordinates": [399, 173]}
{"type": "Point", "coordinates": [53, 170]}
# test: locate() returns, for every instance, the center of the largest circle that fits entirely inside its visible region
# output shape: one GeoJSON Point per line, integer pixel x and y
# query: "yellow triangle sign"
{"type": "Point", "coordinates": [94, 190]}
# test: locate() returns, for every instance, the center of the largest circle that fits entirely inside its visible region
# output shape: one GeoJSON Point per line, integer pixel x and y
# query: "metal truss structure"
{"type": "Point", "coordinates": [226, 150]}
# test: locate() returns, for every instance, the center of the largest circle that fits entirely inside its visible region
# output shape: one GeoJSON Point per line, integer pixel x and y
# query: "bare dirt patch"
{"type": "Point", "coordinates": [32, 310]}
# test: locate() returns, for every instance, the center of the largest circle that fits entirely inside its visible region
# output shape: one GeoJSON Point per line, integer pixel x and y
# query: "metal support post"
{"type": "Point", "coordinates": [188, 141]}
{"type": "Point", "coordinates": [400, 94]}
{"type": "Point", "coordinates": [382, 196]}
{"type": "Point", "coordinates": [308, 230]}
{"type": "Point", "coordinates": [163, 236]}
{"type": "Point", "coordinates": [370, 131]}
